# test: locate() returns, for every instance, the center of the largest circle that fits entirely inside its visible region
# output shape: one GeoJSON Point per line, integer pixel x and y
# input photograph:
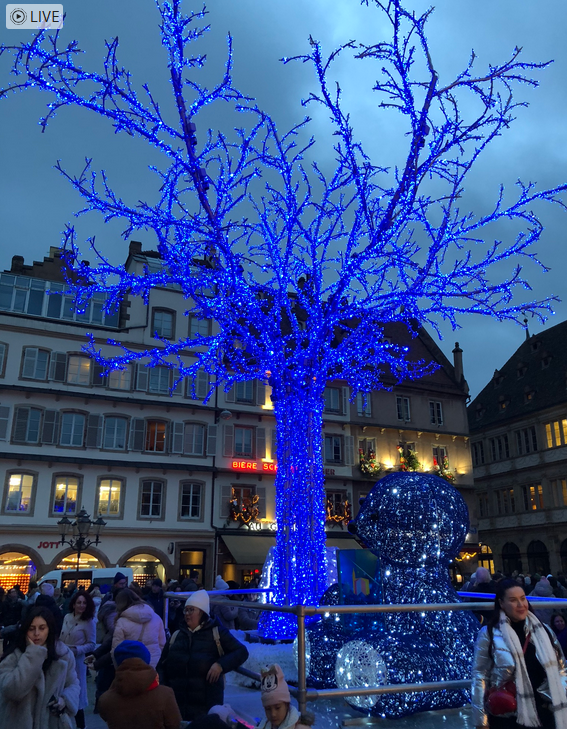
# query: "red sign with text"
{"type": "Point", "coordinates": [254, 466]}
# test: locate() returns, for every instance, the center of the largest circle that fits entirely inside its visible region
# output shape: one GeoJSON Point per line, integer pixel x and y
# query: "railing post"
{"type": "Point", "coordinates": [301, 672]}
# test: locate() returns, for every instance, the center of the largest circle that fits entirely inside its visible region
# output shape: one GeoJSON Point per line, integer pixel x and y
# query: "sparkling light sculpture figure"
{"type": "Point", "coordinates": [415, 523]}
{"type": "Point", "coordinates": [300, 263]}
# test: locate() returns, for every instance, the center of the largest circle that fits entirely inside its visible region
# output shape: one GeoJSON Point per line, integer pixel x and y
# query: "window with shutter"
{"type": "Point", "coordinates": [243, 441]}
{"type": "Point", "coordinates": [94, 431]}
{"type": "Point", "coordinates": [19, 498]}
{"type": "Point", "coordinates": [190, 500]}
{"type": "Point", "coordinates": [155, 439]}
{"type": "Point", "coordinates": [403, 408]}
{"type": "Point", "coordinates": [137, 430]}
{"type": "Point", "coordinates": [225, 496]}
{"type": "Point", "coordinates": [274, 453]}
{"type": "Point", "coordinates": [229, 396]}
{"type": "Point", "coordinates": [79, 370]}
{"type": "Point", "coordinates": [72, 429]}
{"type": "Point", "coordinates": [260, 393]}
{"type": "Point", "coordinates": [58, 366]}
{"type": "Point", "coordinates": [109, 497]}
{"type": "Point", "coordinates": [345, 400]}
{"type": "Point", "coordinates": [35, 363]}
{"type": "Point", "coordinates": [49, 428]}
{"type": "Point", "coordinates": [120, 379]}
{"type": "Point", "coordinates": [114, 437]}
{"type": "Point", "coordinates": [228, 447]}
{"type": "Point", "coordinates": [435, 412]}
{"type": "Point", "coordinates": [212, 440]}
{"type": "Point", "coordinates": [260, 442]}
{"type": "Point", "coordinates": [159, 381]}
{"type": "Point", "coordinates": [142, 375]}
{"type": "Point", "coordinates": [65, 495]}
{"type": "Point", "coordinates": [100, 379]}
{"type": "Point", "coordinates": [332, 396]}
{"type": "Point", "coordinates": [27, 425]}
{"type": "Point", "coordinates": [3, 351]}
{"type": "Point", "coordinates": [4, 418]}
{"type": "Point", "coordinates": [363, 408]}
{"type": "Point", "coordinates": [163, 323]}
{"type": "Point", "coordinates": [244, 392]}
{"type": "Point", "coordinates": [349, 450]}
{"type": "Point", "coordinates": [333, 448]}
{"type": "Point", "coordinates": [194, 439]}
{"type": "Point", "coordinates": [176, 438]}
{"type": "Point", "coordinates": [202, 385]}
{"type": "Point", "coordinates": [151, 499]}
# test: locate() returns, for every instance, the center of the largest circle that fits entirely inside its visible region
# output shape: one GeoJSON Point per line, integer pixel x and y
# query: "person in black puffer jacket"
{"type": "Point", "coordinates": [196, 657]}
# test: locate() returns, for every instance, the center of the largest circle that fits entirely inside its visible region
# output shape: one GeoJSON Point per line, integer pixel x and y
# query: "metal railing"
{"type": "Point", "coordinates": [302, 693]}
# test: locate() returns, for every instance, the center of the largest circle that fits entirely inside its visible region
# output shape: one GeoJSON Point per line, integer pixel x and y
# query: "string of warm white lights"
{"type": "Point", "coordinates": [299, 265]}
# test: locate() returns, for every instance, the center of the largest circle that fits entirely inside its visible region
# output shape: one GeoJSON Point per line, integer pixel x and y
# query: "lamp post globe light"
{"type": "Point", "coordinates": [76, 533]}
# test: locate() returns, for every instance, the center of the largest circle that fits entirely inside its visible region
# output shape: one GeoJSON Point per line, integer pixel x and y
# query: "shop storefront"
{"type": "Point", "coordinates": [16, 569]}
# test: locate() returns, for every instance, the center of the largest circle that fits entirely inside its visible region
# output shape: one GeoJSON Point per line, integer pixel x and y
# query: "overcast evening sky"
{"type": "Point", "coordinates": [36, 202]}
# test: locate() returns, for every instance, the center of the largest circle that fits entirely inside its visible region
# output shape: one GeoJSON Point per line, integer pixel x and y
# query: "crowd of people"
{"type": "Point", "coordinates": [147, 674]}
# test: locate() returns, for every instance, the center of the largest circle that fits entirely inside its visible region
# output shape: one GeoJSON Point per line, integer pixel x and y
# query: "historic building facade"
{"type": "Point", "coordinates": [518, 427]}
{"type": "Point", "coordinates": [181, 484]}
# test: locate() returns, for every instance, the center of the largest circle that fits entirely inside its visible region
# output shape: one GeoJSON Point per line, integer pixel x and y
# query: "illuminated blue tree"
{"type": "Point", "coordinates": [300, 263]}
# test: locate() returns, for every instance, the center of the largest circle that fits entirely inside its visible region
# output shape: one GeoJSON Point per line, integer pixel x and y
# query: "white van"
{"type": "Point", "coordinates": [62, 578]}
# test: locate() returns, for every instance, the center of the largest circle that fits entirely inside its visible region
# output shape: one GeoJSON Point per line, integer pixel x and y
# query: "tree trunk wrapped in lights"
{"type": "Point", "coordinates": [301, 263]}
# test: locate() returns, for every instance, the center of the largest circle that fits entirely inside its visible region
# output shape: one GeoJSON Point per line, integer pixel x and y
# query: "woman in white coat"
{"type": "Point", "coordinates": [79, 633]}
{"type": "Point", "coordinates": [39, 688]}
{"type": "Point", "coordinates": [136, 620]}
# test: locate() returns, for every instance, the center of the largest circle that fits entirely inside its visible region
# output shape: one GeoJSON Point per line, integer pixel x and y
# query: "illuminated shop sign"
{"type": "Point", "coordinates": [254, 466]}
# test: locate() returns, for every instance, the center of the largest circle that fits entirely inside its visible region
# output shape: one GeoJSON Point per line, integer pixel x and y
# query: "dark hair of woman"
{"type": "Point", "coordinates": [125, 599]}
{"type": "Point", "coordinates": [89, 610]}
{"type": "Point", "coordinates": [50, 643]}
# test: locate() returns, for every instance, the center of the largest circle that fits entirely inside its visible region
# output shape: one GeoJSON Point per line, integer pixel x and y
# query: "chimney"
{"type": "Point", "coordinates": [458, 362]}
{"type": "Point", "coordinates": [135, 248]}
{"type": "Point", "coordinates": [17, 264]}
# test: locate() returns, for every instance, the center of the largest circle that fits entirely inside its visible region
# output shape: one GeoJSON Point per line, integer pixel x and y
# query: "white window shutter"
{"type": "Point", "coordinates": [260, 393]}
{"type": "Point", "coordinates": [137, 430]}
{"type": "Point", "coordinates": [260, 442]}
{"type": "Point", "coordinates": [212, 440]}
{"type": "Point", "coordinates": [94, 431]}
{"type": "Point", "coordinates": [368, 408]}
{"type": "Point", "coordinates": [225, 495]}
{"type": "Point", "coordinates": [142, 376]}
{"type": "Point", "coordinates": [176, 438]}
{"type": "Point", "coordinates": [4, 417]}
{"type": "Point", "coordinates": [261, 494]}
{"type": "Point", "coordinates": [58, 366]}
{"type": "Point", "coordinates": [228, 448]}
{"type": "Point", "coordinates": [202, 385]}
{"type": "Point", "coordinates": [349, 450]}
{"type": "Point", "coordinates": [21, 424]}
{"type": "Point", "coordinates": [49, 427]}
{"type": "Point", "coordinates": [230, 395]}
{"type": "Point", "coordinates": [346, 394]}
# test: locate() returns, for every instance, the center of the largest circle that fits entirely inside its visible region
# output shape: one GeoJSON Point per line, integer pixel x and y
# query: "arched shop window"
{"type": "Point", "coordinates": [16, 569]}
{"type": "Point", "coordinates": [538, 558]}
{"type": "Point", "coordinates": [485, 558]}
{"type": "Point", "coordinates": [511, 558]}
{"type": "Point", "coordinates": [146, 567]}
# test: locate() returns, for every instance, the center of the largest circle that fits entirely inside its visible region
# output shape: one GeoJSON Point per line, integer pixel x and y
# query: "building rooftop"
{"type": "Point", "coordinates": [533, 379]}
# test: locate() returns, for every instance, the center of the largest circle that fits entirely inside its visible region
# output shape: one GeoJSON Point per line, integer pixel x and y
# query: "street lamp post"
{"type": "Point", "coordinates": [76, 533]}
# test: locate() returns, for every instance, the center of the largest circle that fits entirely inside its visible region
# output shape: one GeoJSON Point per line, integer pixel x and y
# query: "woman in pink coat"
{"type": "Point", "coordinates": [136, 620]}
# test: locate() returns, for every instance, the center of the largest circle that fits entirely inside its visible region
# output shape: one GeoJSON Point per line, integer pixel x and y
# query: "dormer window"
{"type": "Point", "coordinates": [502, 403]}
{"type": "Point", "coordinates": [522, 369]}
{"type": "Point", "coordinates": [480, 411]}
{"type": "Point", "coordinates": [529, 395]}
{"type": "Point", "coordinates": [546, 361]}
{"type": "Point", "coordinates": [535, 345]}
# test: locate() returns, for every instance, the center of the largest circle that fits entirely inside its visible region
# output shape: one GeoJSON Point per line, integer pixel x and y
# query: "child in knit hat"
{"type": "Point", "coordinates": [276, 700]}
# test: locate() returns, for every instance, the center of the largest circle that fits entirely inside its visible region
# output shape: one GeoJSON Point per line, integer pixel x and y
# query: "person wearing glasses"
{"type": "Point", "coordinates": [197, 656]}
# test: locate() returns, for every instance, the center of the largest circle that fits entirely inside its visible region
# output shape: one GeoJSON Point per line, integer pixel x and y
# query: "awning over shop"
{"type": "Point", "coordinates": [247, 549]}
